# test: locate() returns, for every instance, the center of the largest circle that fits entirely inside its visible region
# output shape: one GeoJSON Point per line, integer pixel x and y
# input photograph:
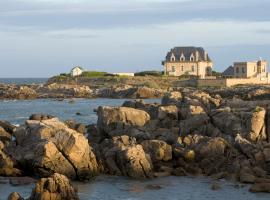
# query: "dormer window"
{"type": "Point", "coordinates": [172, 58]}
{"type": "Point", "coordinates": [182, 57]}
{"type": "Point", "coordinates": [192, 58]}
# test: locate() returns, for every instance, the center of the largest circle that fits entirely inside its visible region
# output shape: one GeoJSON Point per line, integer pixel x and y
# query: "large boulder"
{"type": "Point", "coordinates": [123, 156]}
{"type": "Point", "coordinates": [172, 98]}
{"type": "Point", "coordinates": [56, 187]}
{"type": "Point", "coordinates": [49, 146]}
{"type": "Point", "coordinates": [147, 93]}
{"type": "Point", "coordinates": [158, 150]}
{"type": "Point", "coordinates": [170, 112]}
{"type": "Point", "coordinates": [226, 121]}
{"type": "Point", "coordinates": [7, 164]}
{"type": "Point", "coordinates": [120, 118]}
{"type": "Point", "coordinates": [196, 123]}
{"type": "Point", "coordinates": [257, 125]}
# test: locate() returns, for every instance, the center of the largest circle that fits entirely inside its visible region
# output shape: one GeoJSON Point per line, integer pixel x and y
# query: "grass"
{"type": "Point", "coordinates": [93, 74]}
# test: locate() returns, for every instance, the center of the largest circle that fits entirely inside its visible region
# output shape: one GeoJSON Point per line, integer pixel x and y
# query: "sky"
{"type": "Point", "coordinates": [42, 38]}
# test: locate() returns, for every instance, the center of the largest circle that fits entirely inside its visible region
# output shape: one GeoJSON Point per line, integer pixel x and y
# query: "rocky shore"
{"type": "Point", "coordinates": [192, 132]}
{"type": "Point", "coordinates": [65, 91]}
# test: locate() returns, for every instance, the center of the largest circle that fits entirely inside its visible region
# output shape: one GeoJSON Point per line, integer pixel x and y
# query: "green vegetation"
{"type": "Point", "coordinates": [94, 74]}
{"type": "Point", "coordinates": [217, 74]}
{"type": "Point", "coordinates": [149, 73]}
{"type": "Point", "coordinates": [258, 109]}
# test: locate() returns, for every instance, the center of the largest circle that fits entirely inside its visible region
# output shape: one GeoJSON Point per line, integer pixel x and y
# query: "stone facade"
{"type": "Point", "coordinates": [256, 69]}
{"type": "Point", "coordinates": [188, 61]}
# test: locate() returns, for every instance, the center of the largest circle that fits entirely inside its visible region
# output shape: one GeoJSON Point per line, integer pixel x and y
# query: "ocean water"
{"type": "Point", "coordinates": [17, 111]}
{"type": "Point", "coordinates": [171, 188]}
{"type": "Point", "coordinates": [21, 81]}
{"type": "Point", "coordinates": [111, 187]}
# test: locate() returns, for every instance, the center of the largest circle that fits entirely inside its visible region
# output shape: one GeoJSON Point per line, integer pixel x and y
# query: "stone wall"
{"type": "Point", "coordinates": [229, 82]}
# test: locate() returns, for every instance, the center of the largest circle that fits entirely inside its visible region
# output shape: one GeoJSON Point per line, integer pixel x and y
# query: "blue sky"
{"type": "Point", "coordinates": [40, 38]}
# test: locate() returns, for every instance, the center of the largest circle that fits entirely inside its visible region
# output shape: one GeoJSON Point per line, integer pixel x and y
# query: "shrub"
{"type": "Point", "coordinates": [93, 74]}
{"type": "Point", "coordinates": [149, 73]}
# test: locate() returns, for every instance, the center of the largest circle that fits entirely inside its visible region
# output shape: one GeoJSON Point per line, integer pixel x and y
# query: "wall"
{"type": "Point", "coordinates": [211, 82]}
{"type": "Point", "coordinates": [124, 74]}
{"type": "Point", "coordinates": [229, 82]}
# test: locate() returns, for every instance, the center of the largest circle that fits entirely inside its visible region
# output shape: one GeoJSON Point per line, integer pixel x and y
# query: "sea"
{"type": "Point", "coordinates": [112, 187]}
{"type": "Point", "coordinates": [23, 81]}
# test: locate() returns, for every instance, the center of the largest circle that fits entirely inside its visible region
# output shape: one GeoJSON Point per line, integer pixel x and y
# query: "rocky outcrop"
{"type": "Point", "coordinates": [120, 118]}
{"type": "Point", "coordinates": [158, 150]}
{"type": "Point", "coordinates": [49, 146]}
{"type": "Point", "coordinates": [123, 156]}
{"type": "Point", "coordinates": [56, 187]}
{"type": "Point", "coordinates": [131, 92]}
{"type": "Point", "coordinates": [17, 92]}
{"type": "Point", "coordinates": [7, 164]}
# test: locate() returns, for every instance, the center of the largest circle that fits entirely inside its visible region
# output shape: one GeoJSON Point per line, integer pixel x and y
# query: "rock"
{"type": "Point", "coordinates": [149, 93]}
{"type": "Point", "coordinates": [40, 117]}
{"type": "Point", "coordinates": [15, 196]}
{"type": "Point", "coordinates": [246, 176]}
{"type": "Point", "coordinates": [266, 153]}
{"type": "Point", "coordinates": [4, 135]}
{"type": "Point", "coordinates": [7, 164]}
{"type": "Point", "coordinates": [55, 187]}
{"type": "Point", "coordinates": [49, 146]}
{"type": "Point", "coordinates": [179, 171]}
{"type": "Point", "coordinates": [124, 157]}
{"type": "Point", "coordinates": [257, 124]}
{"type": "Point", "coordinates": [170, 112]}
{"type": "Point", "coordinates": [153, 187]}
{"type": "Point", "coordinates": [260, 187]}
{"type": "Point", "coordinates": [196, 123]}
{"type": "Point", "coordinates": [226, 121]}
{"type": "Point", "coordinates": [66, 91]}
{"type": "Point", "coordinates": [173, 98]}
{"type": "Point", "coordinates": [190, 110]}
{"type": "Point", "coordinates": [158, 150]}
{"type": "Point", "coordinates": [120, 118]}
{"type": "Point", "coordinates": [215, 186]}
{"type": "Point", "coordinates": [8, 127]}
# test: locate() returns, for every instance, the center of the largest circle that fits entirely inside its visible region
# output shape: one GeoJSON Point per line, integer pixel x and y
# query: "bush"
{"type": "Point", "coordinates": [149, 73]}
{"type": "Point", "coordinates": [93, 74]}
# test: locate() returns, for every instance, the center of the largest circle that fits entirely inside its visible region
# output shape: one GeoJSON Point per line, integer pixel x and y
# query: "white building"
{"type": "Point", "coordinates": [76, 71]}
{"type": "Point", "coordinates": [124, 74]}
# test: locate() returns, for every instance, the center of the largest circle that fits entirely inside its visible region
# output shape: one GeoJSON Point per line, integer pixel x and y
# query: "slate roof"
{"type": "Point", "coordinates": [187, 52]}
{"type": "Point", "coordinates": [229, 71]}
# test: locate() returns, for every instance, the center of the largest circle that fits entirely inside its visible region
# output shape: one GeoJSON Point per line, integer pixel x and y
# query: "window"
{"type": "Point", "coordinates": [182, 68]}
{"type": "Point", "coordinates": [192, 68]}
{"type": "Point", "coordinates": [182, 58]}
{"type": "Point", "coordinates": [173, 68]}
{"type": "Point", "coordinates": [263, 69]}
{"type": "Point", "coordinates": [243, 70]}
{"type": "Point", "coordinates": [192, 57]}
{"type": "Point", "coordinates": [237, 70]}
{"type": "Point", "coordinates": [254, 69]}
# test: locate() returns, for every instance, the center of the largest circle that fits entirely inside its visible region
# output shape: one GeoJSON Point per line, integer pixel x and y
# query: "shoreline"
{"type": "Point", "coordinates": [183, 135]}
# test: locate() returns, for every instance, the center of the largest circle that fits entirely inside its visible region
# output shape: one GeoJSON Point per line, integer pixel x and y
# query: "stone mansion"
{"type": "Point", "coordinates": [188, 61]}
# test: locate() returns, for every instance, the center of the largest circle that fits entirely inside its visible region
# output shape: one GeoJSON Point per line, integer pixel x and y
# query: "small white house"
{"type": "Point", "coordinates": [76, 71]}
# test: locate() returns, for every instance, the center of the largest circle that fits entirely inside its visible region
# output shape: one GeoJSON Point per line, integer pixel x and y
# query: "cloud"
{"type": "Point", "coordinates": [46, 14]}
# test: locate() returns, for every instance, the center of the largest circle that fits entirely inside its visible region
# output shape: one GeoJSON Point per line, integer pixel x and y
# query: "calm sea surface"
{"type": "Point", "coordinates": [21, 81]}
{"type": "Point", "coordinates": [114, 188]}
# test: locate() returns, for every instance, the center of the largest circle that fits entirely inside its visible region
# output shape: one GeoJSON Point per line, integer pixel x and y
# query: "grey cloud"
{"type": "Point", "coordinates": [46, 16]}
